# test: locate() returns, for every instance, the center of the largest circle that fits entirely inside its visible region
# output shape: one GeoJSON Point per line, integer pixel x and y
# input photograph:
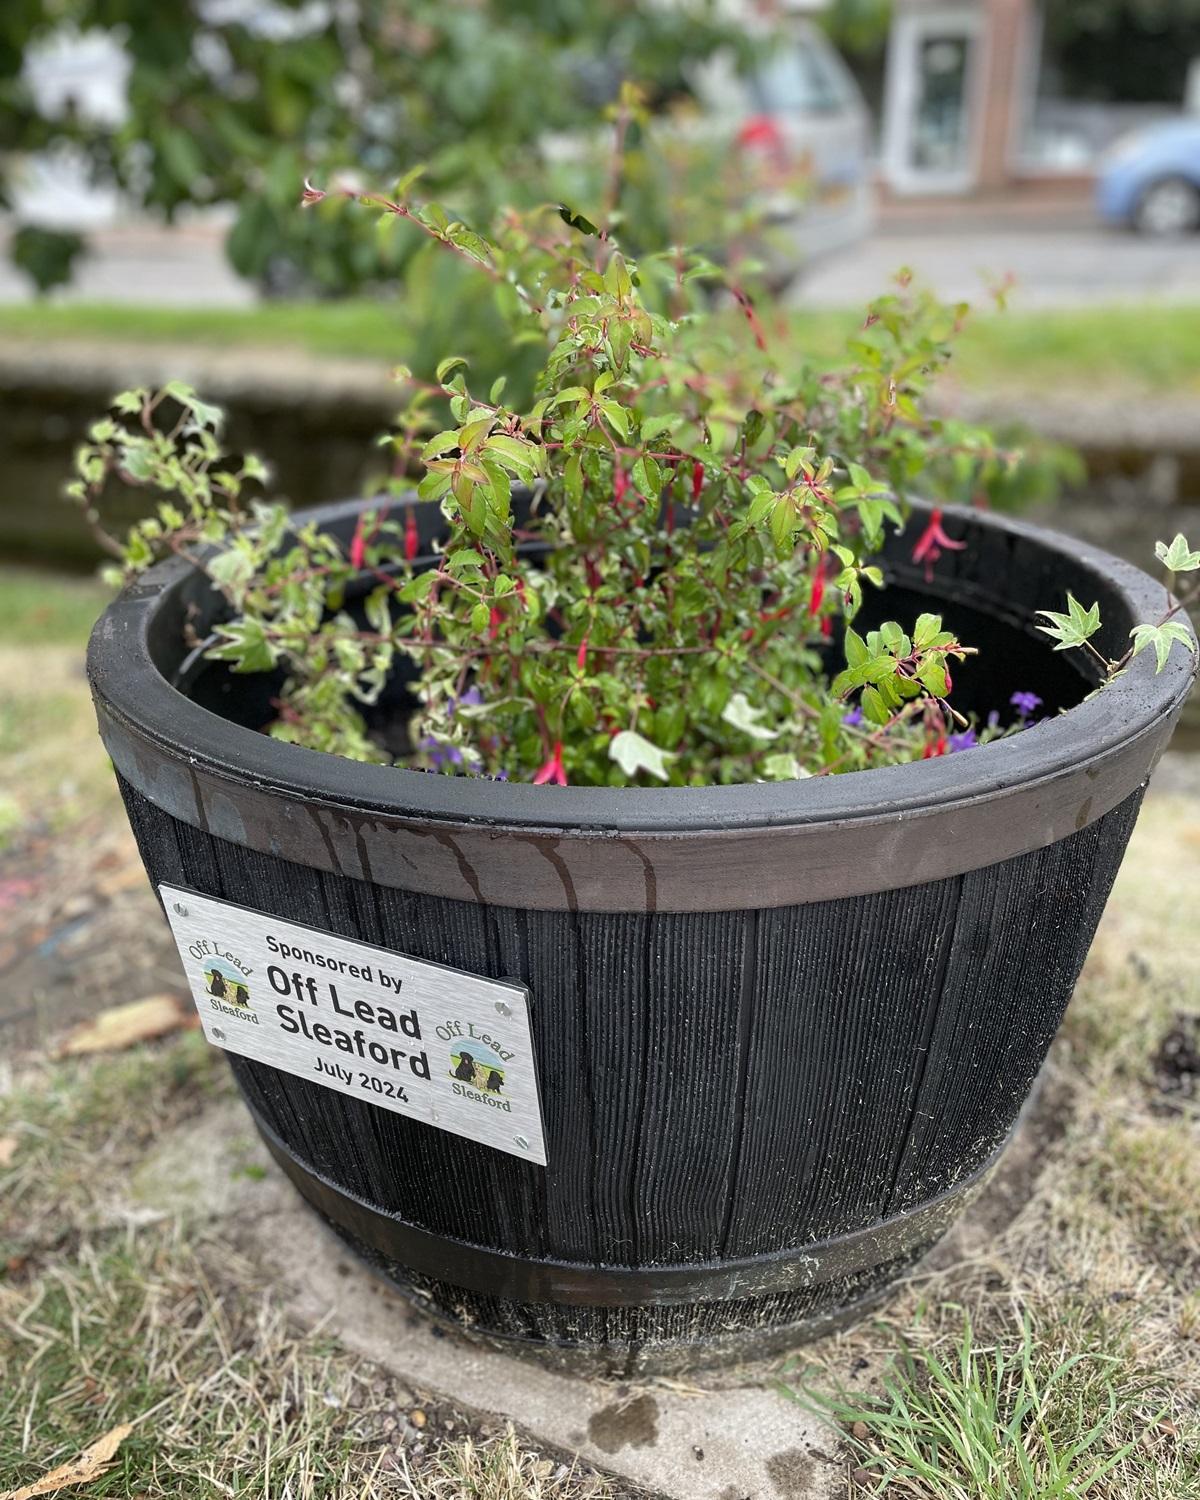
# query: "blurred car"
{"type": "Point", "coordinates": [785, 139]}
{"type": "Point", "coordinates": [1150, 180]}
{"type": "Point", "coordinates": [797, 117]}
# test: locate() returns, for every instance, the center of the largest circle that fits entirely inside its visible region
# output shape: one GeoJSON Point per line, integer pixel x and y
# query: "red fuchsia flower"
{"type": "Point", "coordinates": [581, 655]}
{"type": "Point", "coordinates": [553, 769]}
{"type": "Point", "coordinates": [697, 479]}
{"type": "Point", "coordinates": [358, 546]}
{"type": "Point", "coordinates": [818, 592]}
{"type": "Point", "coordinates": [412, 541]}
{"type": "Point", "coordinates": [932, 542]}
{"type": "Point", "coordinates": [938, 746]}
{"type": "Point", "coordinates": [620, 485]}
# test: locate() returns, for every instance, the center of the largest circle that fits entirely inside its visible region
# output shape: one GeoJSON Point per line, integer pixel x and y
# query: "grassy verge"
{"type": "Point", "coordinates": [52, 770]}
{"type": "Point", "coordinates": [1139, 349]}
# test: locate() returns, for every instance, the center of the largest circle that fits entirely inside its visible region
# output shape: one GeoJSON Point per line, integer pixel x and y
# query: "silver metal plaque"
{"type": "Point", "coordinates": [436, 1044]}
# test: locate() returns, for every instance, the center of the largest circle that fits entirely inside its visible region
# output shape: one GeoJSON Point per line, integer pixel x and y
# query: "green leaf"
{"type": "Point", "coordinates": [617, 417]}
{"type": "Point", "coordinates": [1074, 628]}
{"type": "Point", "coordinates": [576, 220]}
{"type": "Point", "coordinates": [441, 442]}
{"type": "Point", "coordinates": [925, 631]}
{"type": "Point", "coordinates": [245, 645]}
{"type": "Point", "coordinates": [402, 184]}
{"type": "Point", "coordinates": [856, 649]}
{"type": "Point", "coordinates": [782, 766]}
{"type": "Point", "coordinates": [932, 675]}
{"type": "Point", "coordinates": [875, 710]}
{"type": "Point", "coordinates": [633, 753]}
{"type": "Point", "coordinates": [742, 714]}
{"type": "Point", "coordinates": [647, 477]}
{"type": "Point", "coordinates": [1162, 637]}
{"type": "Point", "coordinates": [1178, 556]}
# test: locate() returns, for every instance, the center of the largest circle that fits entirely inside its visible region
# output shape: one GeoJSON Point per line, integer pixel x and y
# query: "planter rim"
{"type": "Point", "coordinates": [1056, 776]}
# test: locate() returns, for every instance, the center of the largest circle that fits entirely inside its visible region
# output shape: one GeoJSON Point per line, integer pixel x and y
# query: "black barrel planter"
{"type": "Point", "coordinates": [782, 1031]}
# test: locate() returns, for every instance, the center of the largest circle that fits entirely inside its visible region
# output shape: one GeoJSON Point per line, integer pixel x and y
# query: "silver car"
{"type": "Point", "coordinates": [784, 141]}
{"type": "Point", "coordinates": [801, 114]}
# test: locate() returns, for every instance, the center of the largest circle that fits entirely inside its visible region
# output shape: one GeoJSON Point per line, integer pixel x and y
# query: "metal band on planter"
{"type": "Point", "coordinates": [523, 1280]}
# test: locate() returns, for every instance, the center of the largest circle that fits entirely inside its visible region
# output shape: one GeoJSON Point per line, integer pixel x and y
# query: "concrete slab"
{"type": "Point", "coordinates": [726, 1436]}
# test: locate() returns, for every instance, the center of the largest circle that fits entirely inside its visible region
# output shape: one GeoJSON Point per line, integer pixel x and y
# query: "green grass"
{"type": "Point", "coordinates": [1021, 1416]}
{"type": "Point", "coordinates": [40, 608]}
{"type": "Point", "coordinates": [52, 769]}
{"type": "Point", "coordinates": [1154, 349]}
{"type": "Point", "coordinates": [358, 327]}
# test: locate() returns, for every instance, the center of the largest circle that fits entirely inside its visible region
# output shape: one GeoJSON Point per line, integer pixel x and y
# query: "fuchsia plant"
{"type": "Point", "coordinates": [645, 567]}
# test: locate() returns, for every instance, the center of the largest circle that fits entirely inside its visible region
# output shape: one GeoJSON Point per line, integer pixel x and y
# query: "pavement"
{"type": "Point", "coordinates": [1058, 257]}
{"type": "Point", "coordinates": [1049, 267]}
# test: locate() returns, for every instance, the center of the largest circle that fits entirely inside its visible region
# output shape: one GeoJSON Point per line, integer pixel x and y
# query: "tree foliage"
{"type": "Point", "coordinates": [236, 104]}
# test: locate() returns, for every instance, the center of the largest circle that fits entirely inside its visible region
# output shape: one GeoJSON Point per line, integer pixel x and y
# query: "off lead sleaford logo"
{"type": "Point", "coordinates": [226, 979]}
{"type": "Point", "coordinates": [477, 1064]}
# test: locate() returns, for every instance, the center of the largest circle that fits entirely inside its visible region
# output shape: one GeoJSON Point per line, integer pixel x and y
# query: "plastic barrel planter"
{"type": "Point", "coordinates": [779, 1033]}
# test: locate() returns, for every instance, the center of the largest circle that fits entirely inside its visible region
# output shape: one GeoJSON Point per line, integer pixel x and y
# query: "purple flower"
{"type": "Point", "coordinates": [964, 741]}
{"type": "Point", "coordinates": [472, 698]}
{"type": "Point", "coordinates": [440, 755]}
{"type": "Point", "coordinates": [1026, 703]}
{"type": "Point", "coordinates": [854, 717]}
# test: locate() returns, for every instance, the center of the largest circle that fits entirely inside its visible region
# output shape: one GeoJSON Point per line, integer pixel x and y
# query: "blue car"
{"type": "Point", "coordinates": [1150, 180]}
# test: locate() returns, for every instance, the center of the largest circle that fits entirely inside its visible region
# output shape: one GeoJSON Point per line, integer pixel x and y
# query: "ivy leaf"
{"type": "Point", "coordinates": [742, 714]}
{"type": "Point", "coordinates": [1178, 556]}
{"type": "Point", "coordinates": [634, 753]}
{"type": "Point", "coordinates": [1162, 637]}
{"type": "Point", "coordinates": [232, 570]}
{"type": "Point", "coordinates": [245, 646]}
{"type": "Point", "coordinates": [782, 766]}
{"type": "Point", "coordinates": [1075, 628]}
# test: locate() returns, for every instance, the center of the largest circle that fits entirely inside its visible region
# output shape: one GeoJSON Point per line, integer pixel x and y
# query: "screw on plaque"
{"type": "Point", "coordinates": [218, 1035]}
{"type": "Point", "coordinates": [522, 1142]}
{"type": "Point", "coordinates": [504, 1008]}
{"type": "Point", "coordinates": [181, 909]}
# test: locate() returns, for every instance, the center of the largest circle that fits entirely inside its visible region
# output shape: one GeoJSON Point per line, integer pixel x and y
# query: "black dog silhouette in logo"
{"type": "Point", "coordinates": [216, 985]}
{"type": "Point", "coordinates": [495, 1082]}
{"type": "Point", "coordinates": [466, 1068]}
{"type": "Point", "coordinates": [241, 994]}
